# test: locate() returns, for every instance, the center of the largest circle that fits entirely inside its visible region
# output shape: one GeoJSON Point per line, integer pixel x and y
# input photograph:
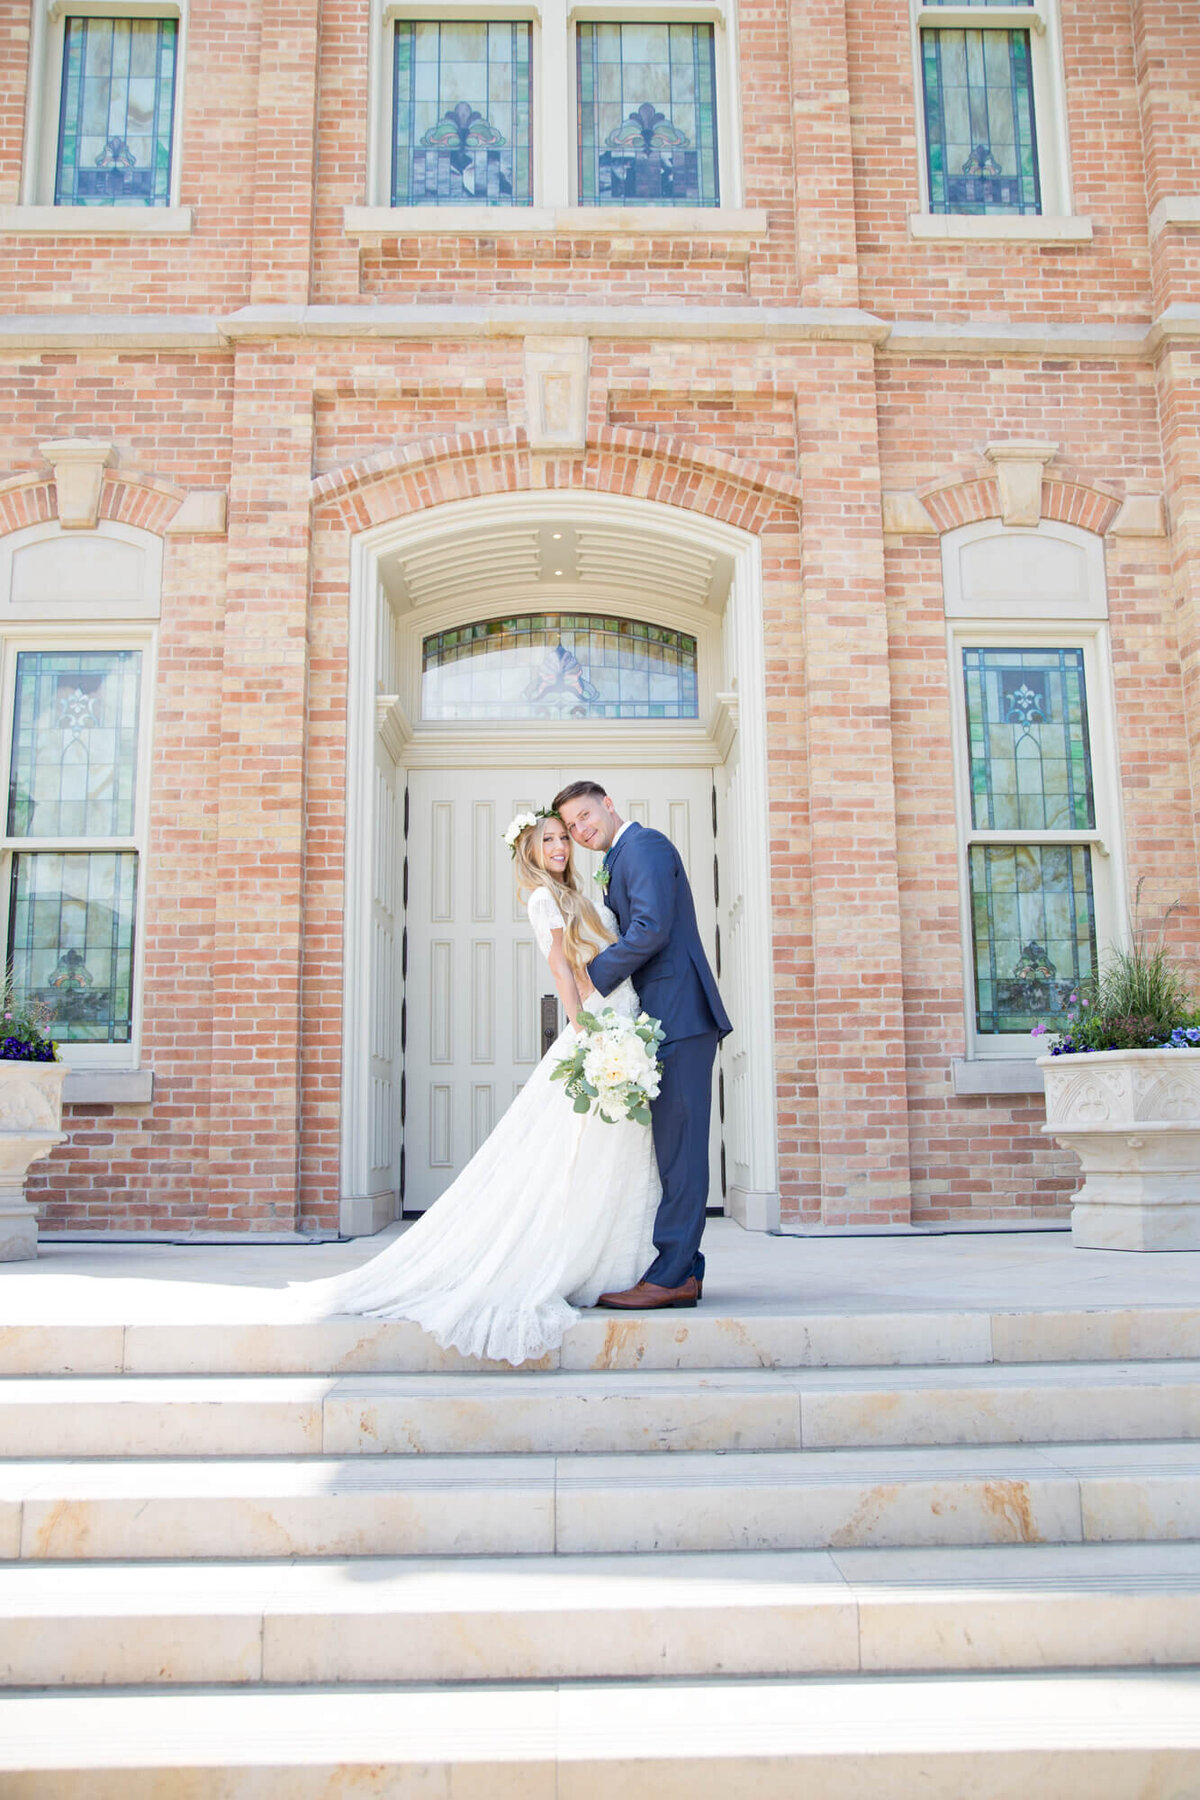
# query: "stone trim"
{"type": "Point", "coordinates": [104, 1087]}
{"type": "Point", "coordinates": [374, 224]}
{"type": "Point", "coordinates": [96, 221]}
{"type": "Point", "coordinates": [124, 500]}
{"type": "Point", "coordinates": [1065, 502]}
{"type": "Point", "coordinates": [1008, 1075]}
{"type": "Point", "coordinates": [964, 228]}
{"type": "Point", "coordinates": [1175, 209]}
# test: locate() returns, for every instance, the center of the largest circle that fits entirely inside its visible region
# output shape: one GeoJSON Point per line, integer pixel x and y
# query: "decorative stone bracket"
{"type": "Point", "coordinates": [556, 383]}
{"type": "Point", "coordinates": [201, 514]}
{"type": "Point", "coordinates": [79, 465]}
{"type": "Point", "coordinates": [1019, 465]}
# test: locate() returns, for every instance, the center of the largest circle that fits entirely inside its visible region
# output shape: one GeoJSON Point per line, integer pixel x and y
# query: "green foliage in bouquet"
{"type": "Point", "coordinates": [613, 1068]}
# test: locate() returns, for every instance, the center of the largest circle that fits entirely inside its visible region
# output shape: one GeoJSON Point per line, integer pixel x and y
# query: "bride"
{"type": "Point", "coordinates": [556, 1207]}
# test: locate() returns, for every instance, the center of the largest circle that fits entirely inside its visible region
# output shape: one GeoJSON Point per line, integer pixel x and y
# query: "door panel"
{"type": "Point", "coordinates": [477, 986]}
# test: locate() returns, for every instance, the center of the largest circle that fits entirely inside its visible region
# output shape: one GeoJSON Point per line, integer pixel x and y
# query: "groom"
{"type": "Point", "coordinates": [659, 950]}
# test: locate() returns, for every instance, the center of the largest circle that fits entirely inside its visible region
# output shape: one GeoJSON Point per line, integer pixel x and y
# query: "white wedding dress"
{"type": "Point", "coordinates": [555, 1209]}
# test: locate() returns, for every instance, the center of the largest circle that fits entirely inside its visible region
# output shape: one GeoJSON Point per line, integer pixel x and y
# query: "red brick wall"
{"type": "Point", "coordinates": [794, 435]}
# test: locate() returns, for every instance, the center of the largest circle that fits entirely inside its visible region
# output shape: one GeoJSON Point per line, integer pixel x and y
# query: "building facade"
{"type": "Point", "coordinates": [785, 412]}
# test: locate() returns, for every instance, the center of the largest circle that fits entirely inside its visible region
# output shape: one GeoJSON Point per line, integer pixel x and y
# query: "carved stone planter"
{"type": "Point", "coordinates": [30, 1126]}
{"type": "Point", "coordinates": [1133, 1119]}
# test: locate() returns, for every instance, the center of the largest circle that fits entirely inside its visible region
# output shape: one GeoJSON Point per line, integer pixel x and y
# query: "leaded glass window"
{"type": "Point", "coordinates": [980, 127]}
{"type": "Point", "coordinates": [70, 941]}
{"type": "Point", "coordinates": [647, 115]}
{"type": "Point", "coordinates": [73, 778]}
{"type": "Point", "coordinates": [559, 666]}
{"type": "Point", "coordinates": [461, 104]}
{"type": "Point", "coordinates": [116, 112]}
{"type": "Point", "coordinates": [74, 753]}
{"type": "Point", "coordinates": [1032, 904]}
{"type": "Point", "coordinates": [1027, 731]}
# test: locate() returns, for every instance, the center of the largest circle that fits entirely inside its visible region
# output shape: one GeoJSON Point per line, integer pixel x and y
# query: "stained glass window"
{"type": "Point", "coordinates": [980, 131]}
{"type": "Point", "coordinates": [1028, 738]}
{"type": "Point", "coordinates": [559, 666]}
{"type": "Point", "coordinates": [116, 112]}
{"type": "Point", "coordinates": [1035, 931]}
{"type": "Point", "coordinates": [70, 941]}
{"type": "Point", "coordinates": [462, 134]}
{"type": "Point", "coordinates": [73, 775]}
{"type": "Point", "coordinates": [1032, 906]}
{"type": "Point", "coordinates": [74, 753]}
{"type": "Point", "coordinates": [647, 115]}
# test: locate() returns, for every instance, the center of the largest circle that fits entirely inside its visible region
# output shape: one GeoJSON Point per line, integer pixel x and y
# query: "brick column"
{"type": "Point", "coordinates": [826, 241]}
{"type": "Point", "coordinates": [258, 863]}
{"type": "Point", "coordinates": [285, 158]}
{"type": "Point", "coordinates": [1167, 58]}
{"type": "Point", "coordinates": [861, 1089]}
{"type": "Point", "coordinates": [1179, 410]}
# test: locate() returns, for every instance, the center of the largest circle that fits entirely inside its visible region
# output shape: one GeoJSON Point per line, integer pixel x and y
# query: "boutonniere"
{"type": "Point", "coordinates": [602, 876]}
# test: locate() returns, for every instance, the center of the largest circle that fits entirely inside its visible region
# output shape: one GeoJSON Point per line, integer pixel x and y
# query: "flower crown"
{"type": "Point", "coordinates": [522, 822]}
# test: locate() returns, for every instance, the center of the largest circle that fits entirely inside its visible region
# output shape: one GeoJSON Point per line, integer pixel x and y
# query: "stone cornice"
{"type": "Point", "coordinates": [25, 332]}
{"type": "Point", "coordinates": [793, 323]}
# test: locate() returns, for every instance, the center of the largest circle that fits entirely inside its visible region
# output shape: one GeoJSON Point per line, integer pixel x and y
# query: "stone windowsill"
{"type": "Point", "coordinates": [371, 223]}
{"type": "Point", "coordinates": [1175, 209]}
{"type": "Point", "coordinates": [95, 221]}
{"type": "Point", "coordinates": [1008, 1075]}
{"type": "Point", "coordinates": [100, 1087]}
{"type": "Point", "coordinates": [968, 228]}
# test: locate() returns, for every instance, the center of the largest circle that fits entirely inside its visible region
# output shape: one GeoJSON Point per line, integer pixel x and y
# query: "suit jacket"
{"type": "Point", "coordinates": [659, 949]}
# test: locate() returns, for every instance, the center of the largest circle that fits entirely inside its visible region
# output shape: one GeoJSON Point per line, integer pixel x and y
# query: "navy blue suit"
{"type": "Point", "coordinates": [659, 950]}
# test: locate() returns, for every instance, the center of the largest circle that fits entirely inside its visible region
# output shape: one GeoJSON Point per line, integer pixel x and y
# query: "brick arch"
{"type": "Point", "coordinates": [1064, 501]}
{"type": "Point", "coordinates": [141, 501]}
{"type": "Point", "coordinates": [617, 462]}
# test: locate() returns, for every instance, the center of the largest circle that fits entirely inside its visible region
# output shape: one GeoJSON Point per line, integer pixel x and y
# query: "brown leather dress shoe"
{"type": "Point", "coordinates": [646, 1295]}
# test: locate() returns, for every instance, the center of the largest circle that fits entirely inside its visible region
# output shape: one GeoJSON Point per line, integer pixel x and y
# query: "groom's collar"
{"type": "Point", "coordinates": [621, 838]}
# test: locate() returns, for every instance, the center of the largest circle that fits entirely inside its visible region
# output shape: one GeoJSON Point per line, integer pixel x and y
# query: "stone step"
{"type": "Point", "coordinates": [566, 1412]}
{"type": "Point", "coordinates": [600, 1617]}
{"type": "Point", "coordinates": [1044, 1737]}
{"type": "Point", "coordinates": [720, 1338]}
{"type": "Point", "coordinates": [506, 1505]}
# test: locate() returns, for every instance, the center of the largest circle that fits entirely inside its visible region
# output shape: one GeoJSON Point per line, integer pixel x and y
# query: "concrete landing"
{"type": "Point", "coordinates": [748, 1273]}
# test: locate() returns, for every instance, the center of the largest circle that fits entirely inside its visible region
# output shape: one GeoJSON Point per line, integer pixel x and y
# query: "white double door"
{"type": "Point", "coordinates": [479, 1005]}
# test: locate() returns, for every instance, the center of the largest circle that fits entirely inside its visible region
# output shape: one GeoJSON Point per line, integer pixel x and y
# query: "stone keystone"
{"type": "Point", "coordinates": [79, 465]}
{"type": "Point", "coordinates": [1019, 464]}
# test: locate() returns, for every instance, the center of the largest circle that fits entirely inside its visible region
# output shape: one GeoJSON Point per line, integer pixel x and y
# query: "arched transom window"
{"type": "Point", "coordinates": [559, 666]}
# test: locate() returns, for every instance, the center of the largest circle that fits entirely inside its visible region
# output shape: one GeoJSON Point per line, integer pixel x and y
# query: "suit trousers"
{"type": "Point", "coordinates": [680, 1119]}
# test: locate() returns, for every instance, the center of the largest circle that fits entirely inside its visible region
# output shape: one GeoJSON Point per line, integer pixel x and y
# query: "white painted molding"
{"type": "Point", "coordinates": [111, 331]}
{"type": "Point", "coordinates": [723, 726]}
{"type": "Point", "coordinates": [1175, 209]}
{"type": "Point", "coordinates": [556, 392]}
{"type": "Point", "coordinates": [1020, 464]}
{"type": "Point", "coordinates": [966, 18]}
{"type": "Point", "coordinates": [79, 465]}
{"type": "Point", "coordinates": [96, 221]}
{"type": "Point", "coordinates": [1141, 515]}
{"type": "Point", "coordinates": [201, 514]}
{"type": "Point", "coordinates": [102, 1087]}
{"type": "Point", "coordinates": [754, 1209]}
{"type": "Point", "coordinates": [905, 515]}
{"type": "Point", "coordinates": [997, 228]}
{"type": "Point", "coordinates": [391, 722]}
{"type": "Point", "coordinates": [1002, 1076]}
{"type": "Point", "coordinates": [375, 224]}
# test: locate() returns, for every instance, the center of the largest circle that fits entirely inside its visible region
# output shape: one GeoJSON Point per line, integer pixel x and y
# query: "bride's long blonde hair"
{"type": "Point", "coordinates": [583, 931]}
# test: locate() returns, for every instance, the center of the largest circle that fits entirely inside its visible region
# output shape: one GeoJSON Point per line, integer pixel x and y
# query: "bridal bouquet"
{"type": "Point", "coordinates": [613, 1069]}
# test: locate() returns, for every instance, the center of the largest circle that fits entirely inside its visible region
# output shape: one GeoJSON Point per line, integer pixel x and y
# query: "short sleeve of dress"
{"type": "Point", "coordinates": [545, 918]}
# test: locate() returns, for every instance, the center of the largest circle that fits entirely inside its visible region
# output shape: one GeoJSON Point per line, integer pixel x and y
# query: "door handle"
{"type": "Point", "coordinates": [549, 1020]}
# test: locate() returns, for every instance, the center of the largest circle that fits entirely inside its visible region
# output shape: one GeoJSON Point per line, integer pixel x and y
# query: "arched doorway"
{"type": "Point", "coordinates": [443, 1005]}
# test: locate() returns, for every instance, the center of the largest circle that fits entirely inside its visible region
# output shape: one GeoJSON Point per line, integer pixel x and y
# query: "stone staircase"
{"type": "Point", "coordinates": [712, 1554]}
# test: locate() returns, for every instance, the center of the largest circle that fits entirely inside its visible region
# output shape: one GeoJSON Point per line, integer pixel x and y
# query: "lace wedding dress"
{"type": "Point", "coordinates": [555, 1209]}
